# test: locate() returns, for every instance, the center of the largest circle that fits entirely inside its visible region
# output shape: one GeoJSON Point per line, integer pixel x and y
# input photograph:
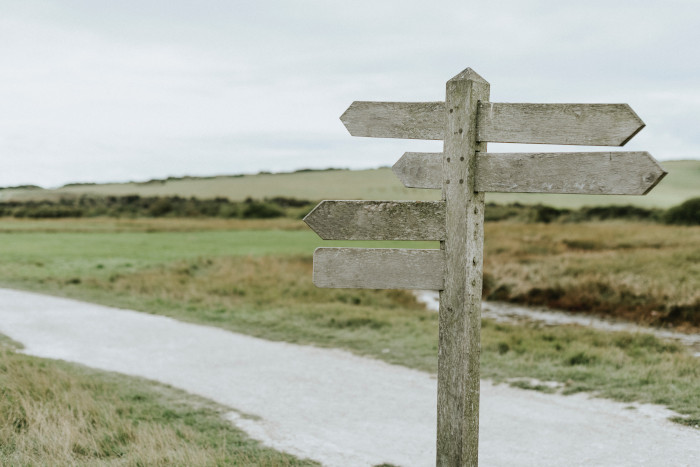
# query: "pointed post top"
{"type": "Point", "coordinates": [471, 75]}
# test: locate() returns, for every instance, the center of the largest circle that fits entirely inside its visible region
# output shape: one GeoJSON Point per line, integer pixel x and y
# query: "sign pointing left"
{"type": "Point", "coordinates": [378, 220]}
{"type": "Point", "coordinates": [379, 268]}
{"type": "Point", "coordinates": [409, 120]}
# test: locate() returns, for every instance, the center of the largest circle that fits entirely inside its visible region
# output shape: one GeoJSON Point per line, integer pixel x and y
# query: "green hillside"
{"type": "Point", "coordinates": [681, 183]}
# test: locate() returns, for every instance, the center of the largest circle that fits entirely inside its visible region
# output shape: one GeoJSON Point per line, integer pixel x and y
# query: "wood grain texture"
{"type": "Point", "coordinates": [578, 124]}
{"type": "Point", "coordinates": [379, 268]}
{"type": "Point", "coordinates": [583, 124]}
{"type": "Point", "coordinates": [410, 120]}
{"type": "Point", "coordinates": [420, 170]}
{"type": "Point", "coordinates": [378, 220]}
{"type": "Point", "coordinates": [593, 173]}
{"type": "Point", "coordinates": [459, 345]}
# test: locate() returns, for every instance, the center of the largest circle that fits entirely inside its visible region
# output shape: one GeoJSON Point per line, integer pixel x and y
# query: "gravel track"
{"type": "Point", "coordinates": [335, 407]}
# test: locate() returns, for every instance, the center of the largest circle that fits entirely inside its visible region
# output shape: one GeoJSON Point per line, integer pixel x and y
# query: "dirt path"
{"type": "Point", "coordinates": [506, 312]}
{"type": "Point", "coordinates": [333, 406]}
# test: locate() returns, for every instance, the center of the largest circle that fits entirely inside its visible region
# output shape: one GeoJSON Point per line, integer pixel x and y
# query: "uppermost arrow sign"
{"type": "Point", "coordinates": [410, 120]}
{"type": "Point", "coordinates": [576, 124]}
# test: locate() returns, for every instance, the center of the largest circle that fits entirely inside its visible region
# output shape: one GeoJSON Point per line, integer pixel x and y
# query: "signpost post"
{"type": "Point", "coordinates": [466, 121]}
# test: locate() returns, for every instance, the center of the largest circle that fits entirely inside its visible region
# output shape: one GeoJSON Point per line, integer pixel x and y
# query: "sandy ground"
{"type": "Point", "coordinates": [335, 407]}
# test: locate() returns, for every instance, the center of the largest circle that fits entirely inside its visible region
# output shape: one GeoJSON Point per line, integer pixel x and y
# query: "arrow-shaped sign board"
{"type": "Point", "coordinates": [464, 171]}
{"type": "Point", "coordinates": [378, 220]}
{"type": "Point", "coordinates": [379, 268]}
{"type": "Point", "coordinates": [577, 124]}
{"type": "Point", "coordinates": [590, 173]}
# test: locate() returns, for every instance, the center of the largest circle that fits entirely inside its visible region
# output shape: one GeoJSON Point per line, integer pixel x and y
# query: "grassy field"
{"type": "Point", "coordinates": [257, 281]}
{"type": "Point", "coordinates": [254, 277]}
{"type": "Point", "coordinates": [682, 183]}
{"type": "Point", "coordinates": [646, 273]}
{"type": "Point", "coordinates": [55, 413]}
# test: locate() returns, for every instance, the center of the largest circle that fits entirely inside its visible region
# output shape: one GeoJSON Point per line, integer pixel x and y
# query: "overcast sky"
{"type": "Point", "coordinates": [99, 90]}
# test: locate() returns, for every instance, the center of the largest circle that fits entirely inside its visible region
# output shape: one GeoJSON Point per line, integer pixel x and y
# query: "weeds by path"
{"type": "Point", "coordinates": [273, 298]}
{"type": "Point", "coordinates": [259, 283]}
{"type": "Point", "coordinates": [55, 413]}
{"type": "Point", "coordinates": [645, 273]}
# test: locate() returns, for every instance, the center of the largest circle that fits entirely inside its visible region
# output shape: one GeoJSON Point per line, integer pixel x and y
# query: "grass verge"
{"type": "Point", "coordinates": [272, 297]}
{"type": "Point", "coordinates": [646, 273]}
{"type": "Point", "coordinates": [55, 413]}
{"type": "Point", "coordinates": [258, 282]}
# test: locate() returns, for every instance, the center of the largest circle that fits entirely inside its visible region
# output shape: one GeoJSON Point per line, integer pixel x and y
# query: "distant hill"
{"type": "Point", "coordinates": [682, 183]}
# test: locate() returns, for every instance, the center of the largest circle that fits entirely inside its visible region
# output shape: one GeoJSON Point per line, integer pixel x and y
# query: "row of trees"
{"type": "Point", "coordinates": [156, 206]}
{"type": "Point", "coordinates": [687, 213]}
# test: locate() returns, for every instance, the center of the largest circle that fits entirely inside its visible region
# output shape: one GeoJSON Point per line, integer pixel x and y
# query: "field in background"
{"type": "Point", "coordinates": [254, 276]}
{"type": "Point", "coordinates": [258, 282]}
{"type": "Point", "coordinates": [643, 272]}
{"type": "Point", "coordinates": [682, 183]}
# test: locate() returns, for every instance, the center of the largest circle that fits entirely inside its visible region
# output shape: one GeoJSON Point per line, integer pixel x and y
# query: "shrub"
{"type": "Point", "coordinates": [261, 210]}
{"type": "Point", "coordinates": [687, 213]}
{"type": "Point", "coordinates": [547, 214]}
{"type": "Point", "coordinates": [160, 207]}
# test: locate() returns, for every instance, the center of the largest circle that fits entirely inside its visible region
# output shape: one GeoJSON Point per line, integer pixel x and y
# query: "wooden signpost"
{"type": "Point", "coordinates": [466, 121]}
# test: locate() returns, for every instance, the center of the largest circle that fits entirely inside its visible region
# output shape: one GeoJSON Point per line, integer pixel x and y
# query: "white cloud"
{"type": "Point", "coordinates": [97, 90]}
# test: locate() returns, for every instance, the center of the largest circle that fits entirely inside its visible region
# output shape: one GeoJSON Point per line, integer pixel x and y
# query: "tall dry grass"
{"type": "Point", "coordinates": [53, 413]}
{"type": "Point", "coordinates": [110, 224]}
{"type": "Point", "coordinates": [642, 272]}
{"type": "Point", "coordinates": [274, 298]}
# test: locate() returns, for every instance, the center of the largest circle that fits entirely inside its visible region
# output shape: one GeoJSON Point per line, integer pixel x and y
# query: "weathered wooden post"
{"type": "Point", "coordinates": [460, 300]}
{"type": "Point", "coordinates": [464, 171]}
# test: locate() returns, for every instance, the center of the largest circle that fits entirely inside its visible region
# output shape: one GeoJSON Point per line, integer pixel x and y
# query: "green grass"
{"type": "Point", "coordinates": [682, 183]}
{"type": "Point", "coordinates": [258, 282]}
{"type": "Point", "coordinates": [272, 297]}
{"type": "Point", "coordinates": [621, 366]}
{"type": "Point", "coordinates": [604, 268]}
{"type": "Point", "coordinates": [56, 413]}
{"type": "Point", "coordinates": [31, 259]}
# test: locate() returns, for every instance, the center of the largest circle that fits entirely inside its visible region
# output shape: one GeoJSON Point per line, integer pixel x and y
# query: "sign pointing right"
{"type": "Point", "coordinates": [592, 173]}
{"type": "Point", "coordinates": [577, 124]}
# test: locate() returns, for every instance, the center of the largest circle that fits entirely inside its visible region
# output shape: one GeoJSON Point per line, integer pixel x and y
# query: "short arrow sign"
{"type": "Point", "coordinates": [378, 220]}
{"type": "Point", "coordinates": [603, 173]}
{"type": "Point", "coordinates": [379, 268]}
{"type": "Point", "coordinates": [410, 120]}
{"type": "Point", "coordinates": [580, 124]}
{"type": "Point", "coordinates": [420, 169]}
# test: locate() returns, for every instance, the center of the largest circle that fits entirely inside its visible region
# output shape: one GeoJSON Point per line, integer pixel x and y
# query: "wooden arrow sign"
{"type": "Point", "coordinates": [609, 173]}
{"type": "Point", "coordinates": [378, 220]}
{"type": "Point", "coordinates": [420, 170]}
{"type": "Point", "coordinates": [582, 124]}
{"type": "Point", "coordinates": [410, 120]}
{"type": "Point", "coordinates": [466, 121]}
{"type": "Point", "coordinates": [379, 268]}
{"type": "Point", "coordinates": [578, 124]}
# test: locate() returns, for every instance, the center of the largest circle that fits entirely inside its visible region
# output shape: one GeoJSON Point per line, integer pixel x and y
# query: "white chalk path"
{"type": "Point", "coordinates": [335, 407]}
{"type": "Point", "coordinates": [510, 313]}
